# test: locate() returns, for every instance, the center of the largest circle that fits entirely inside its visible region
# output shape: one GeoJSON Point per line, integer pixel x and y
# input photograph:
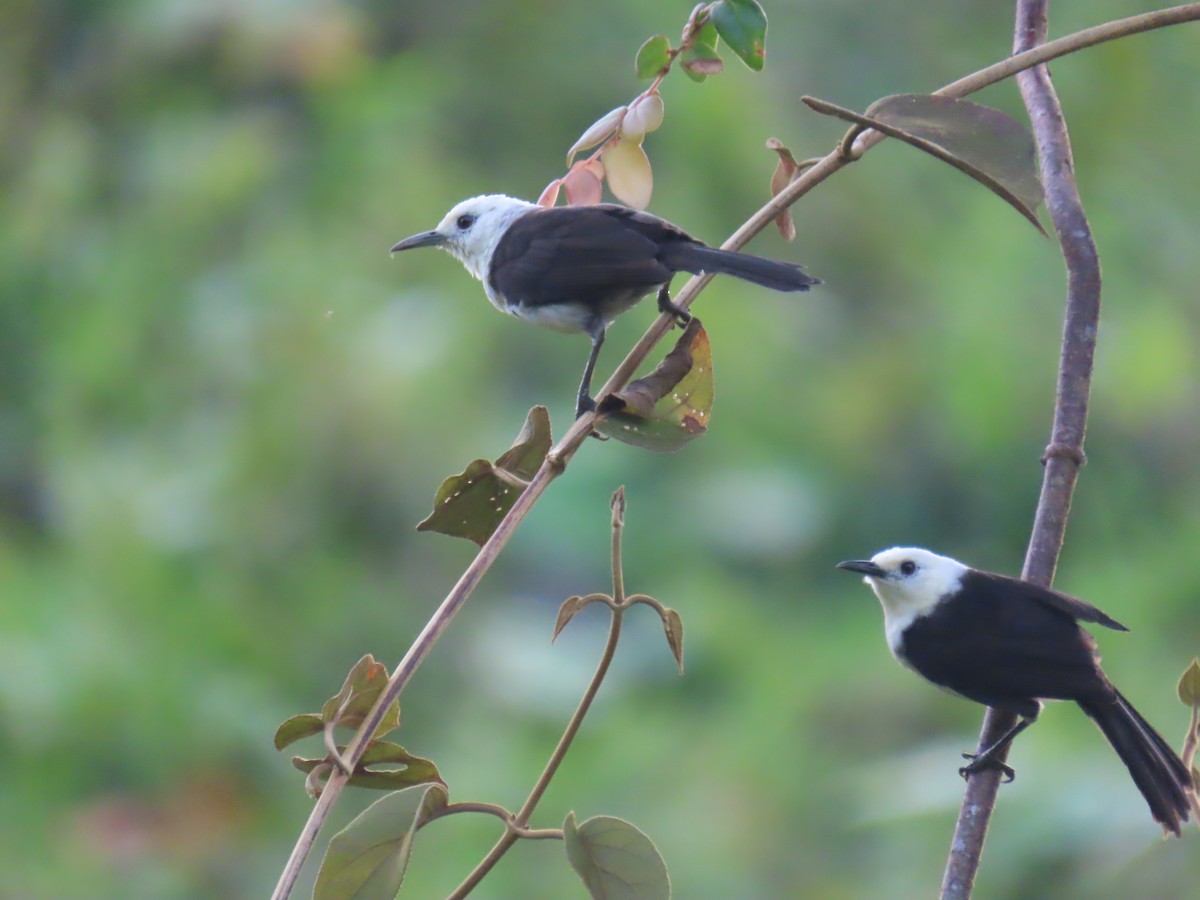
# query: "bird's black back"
{"type": "Point", "coordinates": [589, 255]}
{"type": "Point", "coordinates": [1006, 643]}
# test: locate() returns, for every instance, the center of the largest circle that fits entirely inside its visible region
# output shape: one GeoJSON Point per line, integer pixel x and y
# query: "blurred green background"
{"type": "Point", "coordinates": [223, 408]}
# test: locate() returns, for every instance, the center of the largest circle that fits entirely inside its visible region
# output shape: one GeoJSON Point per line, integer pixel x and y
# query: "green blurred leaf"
{"type": "Point", "coordinates": [700, 62]}
{"type": "Point", "coordinates": [366, 860]}
{"type": "Point", "coordinates": [615, 860]}
{"type": "Point", "coordinates": [1189, 685]}
{"type": "Point", "coordinates": [669, 407]}
{"type": "Point", "coordinates": [471, 504]}
{"type": "Point", "coordinates": [742, 24]}
{"type": "Point", "coordinates": [412, 769]}
{"type": "Point", "coordinates": [297, 728]}
{"type": "Point", "coordinates": [653, 57]}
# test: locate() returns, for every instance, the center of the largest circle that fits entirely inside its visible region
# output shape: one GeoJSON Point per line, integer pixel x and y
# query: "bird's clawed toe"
{"type": "Point", "coordinates": [982, 761]}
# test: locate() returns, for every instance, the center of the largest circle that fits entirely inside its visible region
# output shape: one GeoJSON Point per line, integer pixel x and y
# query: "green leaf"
{"type": "Point", "coordinates": [296, 728]}
{"type": "Point", "coordinates": [404, 768]}
{"type": "Point", "coordinates": [362, 687]}
{"type": "Point", "coordinates": [653, 57]}
{"type": "Point", "coordinates": [1189, 685]}
{"type": "Point", "coordinates": [615, 860]}
{"type": "Point", "coordinates": [571, 606]}
{"type": "Point", "coordinates": [742, 24]}
{"type": "Point", "coordinates": [367, 859]}
{"type": "Point", "coordinates": [471, 504]}
{"type": "Point", "coordinates": [669, 407]}
{"type": "Point", "coordinates": [699, 62]}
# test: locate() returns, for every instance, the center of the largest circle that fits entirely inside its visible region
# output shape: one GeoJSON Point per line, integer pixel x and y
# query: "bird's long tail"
{"type": "Point", "coordinates": [1157, 770]}
{"type": "Point", "coordinates": [779, 276]}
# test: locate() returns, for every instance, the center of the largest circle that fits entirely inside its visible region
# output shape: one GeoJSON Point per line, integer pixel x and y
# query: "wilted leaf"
{"type": "Point", "coordinates": [785, 173]}
{"type": "Point", "coordinates": [1189, 685]}
{"type": "Point", "coordinates": [669, 407]}
{"type": "Point", "coordinates": [645, 114]}
{"type": "Point", "coordinates": [403, 769]}
{"type": "Point", "coordinates": [653, 57]}
{"type": "Point", "coordinates": [990, 146]}
{"type": "Point", "coordinates": [629, 175]}
{"type": "Point", "coordinates": [296, 728]}
{"type": "Point", "coordinates": [700, 62]}
{"type": "Point", "coordinates": [673, 626]}
{"type": "Point", "coordinates": [583, 183]}
{"type": "Point", "coordinates": [742, 24]}
{"type": "Point", "coordinates": [549, 195]}
{"type": "Point", "coordinates": [366, 860]}
{"type": "Point", "coordinates": [597, 132]}
{"type": "Point", "coordinates": [615, 860]}
{"type": "Point", "coordinates": [470, 505]}
{"type": "Point", "coordinates": [571, 606]}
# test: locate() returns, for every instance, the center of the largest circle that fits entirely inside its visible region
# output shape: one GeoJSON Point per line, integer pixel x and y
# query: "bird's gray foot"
{"type": "Point", "coordinates": [665, 305]}
{"type": "Point", "coordinates": [986, 760]}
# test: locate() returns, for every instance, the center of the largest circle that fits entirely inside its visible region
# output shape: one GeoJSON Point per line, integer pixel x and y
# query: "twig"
{"type": "Point", "coordinates": [521, 819]}
{"type": "Point", "coordinates": [558, 458]}
{"type": "Point", "coordinates": [1064, 456]}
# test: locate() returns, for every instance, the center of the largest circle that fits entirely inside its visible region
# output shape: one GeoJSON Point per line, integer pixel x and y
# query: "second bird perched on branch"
{"type": "Point", "coordinates": [576, 268]}
{"type": "Point", "coordinates": [1010, 644]}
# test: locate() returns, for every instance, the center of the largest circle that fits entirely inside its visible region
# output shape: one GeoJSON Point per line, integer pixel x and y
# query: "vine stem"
{"type": "Point", "coordinates": [521, 819]}
{"type": "Point", "coordinates": [1064, 456]}
{"type": "Point", "coordinates": [563, 452]}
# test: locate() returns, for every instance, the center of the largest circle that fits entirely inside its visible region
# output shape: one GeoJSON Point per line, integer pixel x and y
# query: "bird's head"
{"type": "Point", "coordinates": [909, 581]}
{"type": "Point", "coordinates": [471, 230]}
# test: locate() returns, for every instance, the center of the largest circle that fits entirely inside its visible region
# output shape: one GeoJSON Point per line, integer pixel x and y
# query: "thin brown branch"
{"type": "Point", "coordinates": [1064, 456]}
{"type": "Point", "coordinates": [558, 458]}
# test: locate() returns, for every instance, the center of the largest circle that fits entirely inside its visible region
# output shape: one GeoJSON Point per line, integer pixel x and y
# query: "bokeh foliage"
{"type": "Point", "coordinates": [223, 409]}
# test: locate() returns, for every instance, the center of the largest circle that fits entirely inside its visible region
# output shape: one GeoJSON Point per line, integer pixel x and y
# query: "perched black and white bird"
{"type": "Point", "coordinates": [576, 268]}
{"type": "Point", "coordinates": [1009, 644]}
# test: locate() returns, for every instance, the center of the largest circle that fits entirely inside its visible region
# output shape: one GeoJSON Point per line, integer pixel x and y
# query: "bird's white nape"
{"type": "Point", "coordinates": [473, 228]}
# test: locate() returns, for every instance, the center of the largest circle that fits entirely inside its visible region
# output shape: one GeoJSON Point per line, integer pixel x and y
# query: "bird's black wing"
{"type": "Point", "coordinates": [1072, 606]}
{"type": "Point", "coordinates": [1002, 642]}
{"type": "Point", "coordinates": [581, 254]}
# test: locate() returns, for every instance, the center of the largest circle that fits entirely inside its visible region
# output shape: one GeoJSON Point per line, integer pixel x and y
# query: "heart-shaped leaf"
{"type": "Point", "coordinates": [367, 859]}
{"type": "Point", "coordinates": [615, 860]}
{"type": "Point", "coordinates": [471, 504]}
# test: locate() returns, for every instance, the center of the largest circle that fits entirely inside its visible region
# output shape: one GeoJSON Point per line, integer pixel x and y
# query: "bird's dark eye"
{"type": "Point", "coordinates": [908, 567]}
{"type": "Point", "coordinates": [465, 222]}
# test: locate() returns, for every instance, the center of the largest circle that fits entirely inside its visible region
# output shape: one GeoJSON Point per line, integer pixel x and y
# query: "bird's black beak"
{"type": "Point", "coordinates": [424, 239]}
{"type": "Point", "coordinates": [863, 566]}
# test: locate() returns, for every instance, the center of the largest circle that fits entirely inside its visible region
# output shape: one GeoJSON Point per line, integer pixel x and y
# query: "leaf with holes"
{"type": "Point", "coordinates": [367, 859]}
{"type": "Point", "coordinates": [471, 504]}
{"type": "Point", "coordinates": [615, 860]}
{"type": "Point", "coordinates": [402, 769]}
{"type": "Point", "coordinates": [669, 407]}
